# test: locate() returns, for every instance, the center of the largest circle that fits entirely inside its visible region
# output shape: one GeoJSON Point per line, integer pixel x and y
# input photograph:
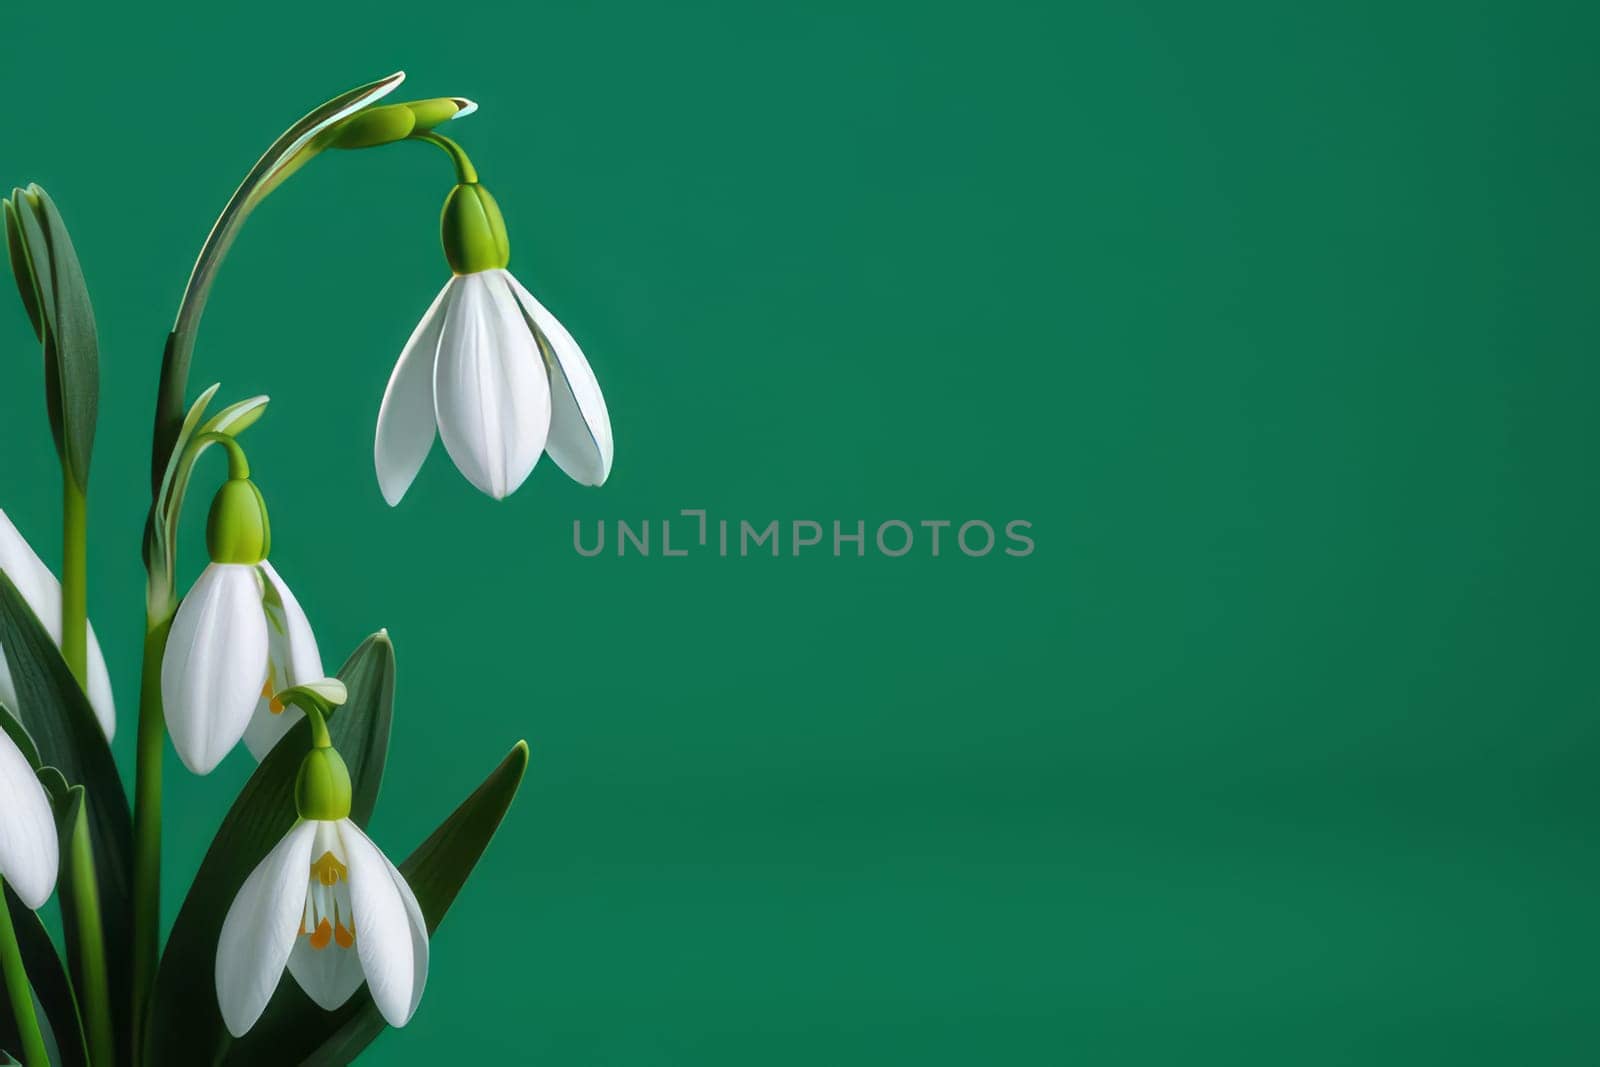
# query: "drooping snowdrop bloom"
{"type": "Point", "coordinates": [42, 592]}
{"type": "Point", "coordinates": [501, 379]}
{"type": "Point", "coordinates": [327, 905]}
{"type": "Point", "coordinates": [29, 852]}
{"type": "Point", "coordinates": [239, 636]}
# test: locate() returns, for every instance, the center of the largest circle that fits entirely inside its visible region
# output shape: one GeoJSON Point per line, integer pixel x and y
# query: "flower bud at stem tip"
{"type": "Point", "coordinates": [322, 788]}
{"type": "Point", "coordinates": [472, 231]}
{"type": "Point", "coordinates": [237, 529]}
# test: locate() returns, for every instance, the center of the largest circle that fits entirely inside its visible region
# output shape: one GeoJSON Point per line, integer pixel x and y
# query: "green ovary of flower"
{"type": "Point", "coordinates": [473, 231]}
{"type": "Point", "coordinates": [322, 788]}
{"type": "Point", "coordinates": [237, 530]}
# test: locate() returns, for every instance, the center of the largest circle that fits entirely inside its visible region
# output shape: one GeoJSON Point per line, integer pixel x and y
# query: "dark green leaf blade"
{"type": "Point", "coordinates": [57, 716]}
{"type": "Point", "coordinates": [294, 1030]}
{"type": "Point", "coordinates": [31, 242]}
{"type": "Point", "coordinates": [33, 266]}
{"type": "Point", "coordinates": [22, 267]}
{"type": "Point", "coordinates": [186, 1025]}
{"type": "Point", "coordinates": [75, 339]}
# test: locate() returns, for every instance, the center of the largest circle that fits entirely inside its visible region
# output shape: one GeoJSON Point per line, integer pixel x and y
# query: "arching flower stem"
{"type": "Point", "coordinates": [466, 173]}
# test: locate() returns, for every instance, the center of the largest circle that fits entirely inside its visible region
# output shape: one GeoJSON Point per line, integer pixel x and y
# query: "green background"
{"type": "Point", "coordinates": [1278, 325]}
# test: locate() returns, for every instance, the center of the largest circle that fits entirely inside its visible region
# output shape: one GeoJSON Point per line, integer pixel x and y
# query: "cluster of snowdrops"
{"type": "Point", "coordinates": [293, 882]}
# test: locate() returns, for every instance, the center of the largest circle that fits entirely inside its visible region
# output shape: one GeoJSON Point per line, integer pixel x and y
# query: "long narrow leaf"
{"type": "Point", "coordinates": [186, 1025]}
{"type": "Point", "coordinates": [68, 736]}
{"type": "Point", "coordinates": [50, 282]}
{"type": "Point", "coordinates": [74, 340]}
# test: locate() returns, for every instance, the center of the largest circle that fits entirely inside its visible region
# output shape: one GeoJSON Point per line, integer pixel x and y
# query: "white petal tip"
{"type": "Point", "coordinates": [201, 766]}
{"type": "Point", "coordinates": [29, 893]}
{"type": "Point", "coordinates": [467, 107]}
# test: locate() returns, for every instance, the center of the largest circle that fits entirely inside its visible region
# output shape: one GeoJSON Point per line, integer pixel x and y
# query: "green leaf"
{"type": "Point", "coordinates": [50, 986]}
{"type": "Point", "coordinates": [287, 154]}
{"type": "Point", "coordinates": [19, 736]}
{"type": "Point", "coordinates": [186, 1025]}
{"type": "Point", "coordinates": [22, 267]}
{"type": "Point", "coordinates": [50, 280]}
{"type": "Point", "coordinates": [68, 737]}
{"type": "Point", "coordinates": [29, 241]}
{"type": "Point", "coordinates": [77, 341]}
{"type": "Point", "coordinates": [293, 1029]}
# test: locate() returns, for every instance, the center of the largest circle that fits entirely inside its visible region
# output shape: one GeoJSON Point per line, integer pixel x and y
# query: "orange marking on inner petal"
{"type": "Point", "coordinates": [329, 870]}
{"type": "Point", "coordinates": [324, 934]}
{"type": "Point", "coordinates": [344, 938]}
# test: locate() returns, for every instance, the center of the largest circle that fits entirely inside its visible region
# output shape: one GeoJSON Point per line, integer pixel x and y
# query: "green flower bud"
{"type": "Point", "coordinates": [395, 122]}
{"type": "Point", "coordinates": [473, 231]}
{"type": "Point", "coordinates": [439, 110]}
{"type": "Point", "coordinates": [237, 530]}
{"type": "Point", "coordinates": [375, 126]}
{"type": "Point", "coordinates": [322, 788]}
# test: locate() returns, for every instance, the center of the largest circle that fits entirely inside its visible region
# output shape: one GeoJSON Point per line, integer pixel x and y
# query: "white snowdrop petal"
{"type": "Point", "coordinates": [580, 426]}
{"type": "Point", "coordinates": [405, 418]}
{"type": "Point", "coordinates": [329, 976]}
{"type": "Point", "coordinates": [260, 930]}
{"type": "Point", "coordinates": [42, 593]}
{"type": "Point", "coordinates": [100, 698]}
{"type": "Point", "coordinates": [491, 394]}
{"type": "Point", "coordinates": [383, 927]}
{"type": "Point", "coordinates": [215, 663]}
{"type": "Point", "coordinates": [29, 852]}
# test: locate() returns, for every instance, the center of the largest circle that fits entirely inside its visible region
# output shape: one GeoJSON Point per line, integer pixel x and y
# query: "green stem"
{"type": "Point", "coordinates": [466, 173]}
{"type": "Point", "coordinates": [74, 578]}
{"type": "Point", "coordinates": [238, 465]}
{"type": "Point", "coordinates": [21, 994]}
{"type": "Point", "coordinates": [320, 738]}
{"type": "Point", "coordinates": [96, 992]}
{"type": "Point", "coordinates": [147, 824]}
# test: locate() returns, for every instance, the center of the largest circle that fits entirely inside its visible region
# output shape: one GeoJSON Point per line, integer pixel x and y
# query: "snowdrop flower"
{"type": "Point", "coordinates": [238, 637]}
{"type": "Point", "coordinates": [29, 853]}
{"type": "Point", "coordinates": [42, 592]}
{"type": "Point", "coordinates": [326, 904]}
{"type": "Point", "coordinates": [489, 366]}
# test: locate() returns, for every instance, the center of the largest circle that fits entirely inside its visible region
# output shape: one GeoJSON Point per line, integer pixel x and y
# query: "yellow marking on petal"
{"type": "Point", "coordinates": [342, 937]}
{"type": "Point", "coordinates": [323, 936]}
{"type": "Point", "coordinates": [328, 870]}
